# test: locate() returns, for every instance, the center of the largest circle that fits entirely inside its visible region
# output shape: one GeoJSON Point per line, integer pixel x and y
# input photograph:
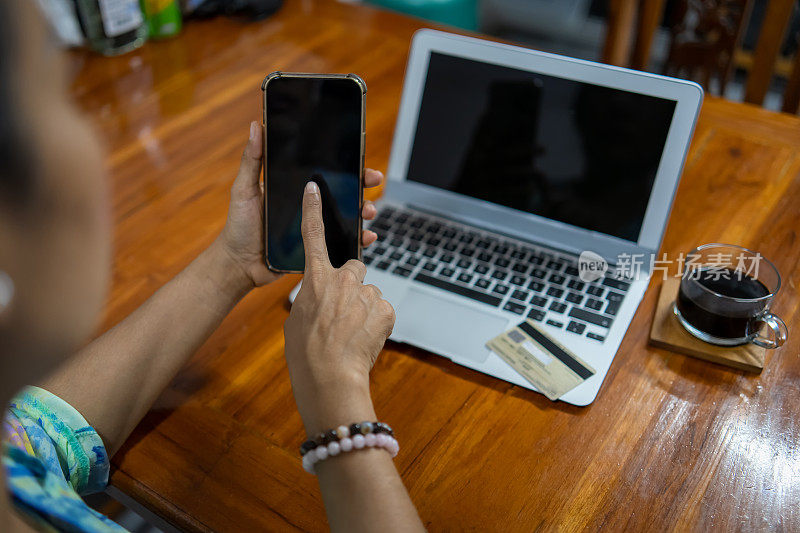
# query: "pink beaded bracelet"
{"type": "Point", "coordinates": [357, 442]}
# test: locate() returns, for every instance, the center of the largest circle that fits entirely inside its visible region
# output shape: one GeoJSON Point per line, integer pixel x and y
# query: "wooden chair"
{"type": "Point", "coordinates": [706, 52]}
{"type": "Point", "coordinates": [704, 36]}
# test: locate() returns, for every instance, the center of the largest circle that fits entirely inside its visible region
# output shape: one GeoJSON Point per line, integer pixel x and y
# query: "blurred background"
{"type": "Point", "coordinates": [744, 50]}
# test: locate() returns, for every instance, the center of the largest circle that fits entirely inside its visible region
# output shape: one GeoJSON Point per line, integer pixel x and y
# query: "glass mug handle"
{"type": "Point", "coordinates": [779, 332]}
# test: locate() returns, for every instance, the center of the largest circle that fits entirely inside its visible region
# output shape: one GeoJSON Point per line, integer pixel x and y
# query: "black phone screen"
{"type": "Point", "coordinates": [313, 132]}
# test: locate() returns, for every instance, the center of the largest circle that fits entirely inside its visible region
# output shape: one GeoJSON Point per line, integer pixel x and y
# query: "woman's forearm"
{"type": "Point", "coordinates": [115, 379]}
{"type": "Point", "coordinates": [362, 489]}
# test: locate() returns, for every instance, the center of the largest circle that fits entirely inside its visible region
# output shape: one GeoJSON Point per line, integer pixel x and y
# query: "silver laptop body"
{"type": "Point", "coordinates": [506, 165]}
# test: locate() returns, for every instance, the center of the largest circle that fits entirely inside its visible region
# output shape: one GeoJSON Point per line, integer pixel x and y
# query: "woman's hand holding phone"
{"type": "Point", "coordinates": [242, 239]}
{"type": "Point", "coordinates": [334, 332]}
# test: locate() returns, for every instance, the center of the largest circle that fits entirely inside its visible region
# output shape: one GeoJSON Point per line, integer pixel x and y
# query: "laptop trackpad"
{"type": "Point", "coordinates": [454, 330]}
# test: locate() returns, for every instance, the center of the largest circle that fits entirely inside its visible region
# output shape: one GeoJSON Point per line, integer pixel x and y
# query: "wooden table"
{"type": "Point", "coordinates": [670, 443]}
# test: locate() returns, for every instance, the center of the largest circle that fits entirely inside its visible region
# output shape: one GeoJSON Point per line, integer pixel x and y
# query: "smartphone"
{"type": "Point", "coordinates": [313, 130]}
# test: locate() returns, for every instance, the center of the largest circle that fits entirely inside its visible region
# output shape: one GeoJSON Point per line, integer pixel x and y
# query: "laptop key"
{"type": "Point", "coordinates": [576, 327]}
{"type": "Point", "coordinates": [429, 252]}
{"type": "Point", "coordinates": [459, 289]}
{"type": "Point", "coordinates": [555, 265]}
{"type": "Point", "coordinates": [594, 290]}
{"type": "Point", "coordinates": [520, 295]}
{"type": "Point", "coordinates": [446, 258]}
{"type": "Point", "coordinates": [572, 271]}
{"type": "Point", "coordinates": [520, 267]}
{"type": "Point", "coordinates": [616, 284]}
{"type": "Point", "coordinates": [555, 323]}
{"type": "Point", "coordinates": [483, 243]}
{"type": "Point", "coordinates": [485, 257]}
{"type": "Point", "coordinates": [595, 336]}
{"type": "Point", "coordinates": [574, 298]}
{"type": "Point", "coordinates": [539, 300]}
{"type": "Point", "coordinates": [430, 266]}
{"type": "Point", "coordinates": [555, 291]}
{"type": "Point", "coordinates": [482, 283]}
{"type": "Point", "coordinates": [499, 274]}
{"type": "Point", "coordinates": [539, 273]}
{"type": "Point", "coordinates": [481, 269]}
{"type": "Point", "coordinates": [499, 288]}
{"type": "Point", "coordinates": [383, 265]}
{"type": "Point", "coordinates": [557, 279]}
{"type": "Point", "coordinates": [558, 307]}
{"type": "Point", "coordinates": [536, 260]}
{"type": "Point", "coordinates": [434, 241]}
{"type": "Point", "coordinates": [449, 233]}
{"type": "Point", "coordinates": [397, 242]}
{"type": "Point", "coordinates": [591, 303]}
{"type": "Point", "coordinates": [519, 254]}
{"type": "Point", "coordinates": [464, 278]}
{"type": "Point", "coordinates": [612, 296]}
{"type": "Point", "coordinates": [592, 318]}
{"type": "Point", "coordinates": [379, 250]}
{"type": "Point", "coordinates": [413, 261]}
{"type": "Point", "coordinates": [537, 286]}
{"type": "Point", "coordinates": [368, 259]}
{"type": "Point", "coordinates": [502, 262]}
{"type": "Point", "coordinates": [396, 256]}
{"type": "Point", "coordinates": [417, 236]}
{"type": "Point", "coordinates": [447, 272]}
{"type": "Point", "coordinates": [518, 280]}
{"type": "Point", "coordinates": [450, 246]}
{"type": "Point", "coordinates": [536, 315]}
{"type": "Point", "coordinates": [466, 238]}
{"type": "Point", "coordinates": [413, 247]}
{"type": "Point", "coordinates": [464, 263]}
{"type": "Point", "coordinates": [514, 307]}
{"type": "Point", "coordinates": [402, 271]}
{"type": "Point", "coordinates": [576, 285]}
{"type": "Point", "coordinates": [613, 308]}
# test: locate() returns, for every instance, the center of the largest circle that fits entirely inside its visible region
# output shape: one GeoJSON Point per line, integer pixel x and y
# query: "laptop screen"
{"type": "Point", "coordinates": [566, 150]}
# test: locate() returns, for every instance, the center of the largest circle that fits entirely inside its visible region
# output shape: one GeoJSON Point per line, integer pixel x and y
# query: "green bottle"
{"type": "Point", "coordinates": [163, 18]}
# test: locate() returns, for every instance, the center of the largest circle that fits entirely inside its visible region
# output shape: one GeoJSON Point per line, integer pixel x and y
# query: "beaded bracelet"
{"type": "Point", "coordinates": [347, 438]}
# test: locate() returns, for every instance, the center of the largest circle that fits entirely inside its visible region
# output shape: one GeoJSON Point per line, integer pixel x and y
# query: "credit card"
{"type": "Point", "coordinates": [546, 364]}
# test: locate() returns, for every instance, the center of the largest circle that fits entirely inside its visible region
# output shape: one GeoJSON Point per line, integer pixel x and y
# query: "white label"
{"type": "Point", "coordinates": [543, 357]}
{"type": "Point", "coordinates": [120, 16]}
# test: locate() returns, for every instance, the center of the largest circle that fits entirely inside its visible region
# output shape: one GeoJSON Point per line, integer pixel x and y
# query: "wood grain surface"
{"type": "Point", "coordinates": [671, 443]}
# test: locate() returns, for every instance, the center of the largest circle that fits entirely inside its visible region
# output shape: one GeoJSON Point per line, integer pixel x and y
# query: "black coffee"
{"type": "Point", "coordinates": [715, 315]}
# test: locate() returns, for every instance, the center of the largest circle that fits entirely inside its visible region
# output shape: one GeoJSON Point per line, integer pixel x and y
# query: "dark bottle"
{"type": "Point", "coordinates": [112, 27]}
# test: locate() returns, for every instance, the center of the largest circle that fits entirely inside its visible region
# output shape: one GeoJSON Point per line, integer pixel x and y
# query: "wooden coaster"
{"type": "Point", "coordinates": [668, 333]}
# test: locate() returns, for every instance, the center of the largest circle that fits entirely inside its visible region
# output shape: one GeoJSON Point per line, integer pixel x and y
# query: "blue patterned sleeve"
{"type": "Point", "coordinates": [62, 439]}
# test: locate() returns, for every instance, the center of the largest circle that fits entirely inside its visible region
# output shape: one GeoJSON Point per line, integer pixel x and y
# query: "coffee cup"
{"type": "Point", "coordinates": [725, 296]}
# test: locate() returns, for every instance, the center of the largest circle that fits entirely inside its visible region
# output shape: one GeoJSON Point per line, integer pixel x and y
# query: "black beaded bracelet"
{"type": "Point", "coordinates": [342, 432]}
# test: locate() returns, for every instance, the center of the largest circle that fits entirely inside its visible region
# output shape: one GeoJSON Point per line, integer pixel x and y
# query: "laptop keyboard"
{"type": "Point", "coordinates": [516, 276]}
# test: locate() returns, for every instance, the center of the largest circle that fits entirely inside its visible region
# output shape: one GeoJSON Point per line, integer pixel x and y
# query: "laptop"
{"type": "Point", "coordinates": [507, 164]}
